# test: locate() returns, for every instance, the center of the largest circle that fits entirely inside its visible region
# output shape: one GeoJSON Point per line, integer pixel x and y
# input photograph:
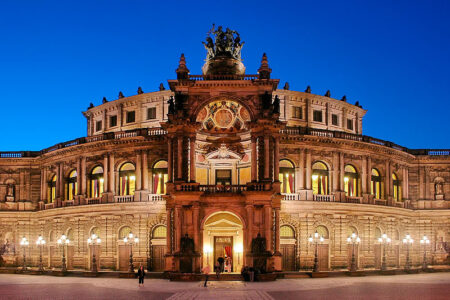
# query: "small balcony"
{"type": "Point", "coordinates": [124, 199]}
{"type": "Point", "coordinates": [155, 198]}
{"type": "Point", "coordinates": [291, 197]}
{"type": "Point", "coordinates": [323, 198]}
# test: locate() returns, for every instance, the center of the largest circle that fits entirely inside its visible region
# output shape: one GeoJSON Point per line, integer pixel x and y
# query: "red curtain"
{"type": "Point", "coordinates": [291, 183]}
{"type": "Point", "coordinates": [228, 251]}
{"type": "Point", "coordinates": [155, 184]}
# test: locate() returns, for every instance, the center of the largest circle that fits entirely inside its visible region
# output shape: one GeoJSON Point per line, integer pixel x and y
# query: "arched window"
{"type": "Point", "coordinates": [352, 229]}
{"type": "Point", "coordinates": [124, 231]}
{"type": "Point", "coordinates": [287, 176]}
{"type": "Point", "coordinates": [69, 234]}
{"type": "Point", "coordinates": [323, 231]}
{"type": "Point", "coordinates": [160, 232]}
{"type": "Point", "coordinates": [377, 233]}
{"type": "Point", "coordinates": [320, 178]}
{"type": "Point", "coordinates": [71, 185]}
{"type": "Point", "coordinates": [351, 181]}
{"type": "Point", "coordinates": [376, 184]}
{"type": "Point", "coordinates": [397, 187]}
{"type": "Point", "coordinates": [96, 182]}
{"type": "Point", "coordinates": [94, 230]}
{"type": "Point", "coordinates": [52, 190]}
{"type": "Point", "coordinates": [286, 232]}
{"type": "Point", "coordinates": [127, 179]}
{"type": "Point", "coordinates": [160, 177]}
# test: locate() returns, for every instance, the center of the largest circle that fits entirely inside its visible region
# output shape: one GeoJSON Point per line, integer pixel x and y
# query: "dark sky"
{"type": "Point", "coordinates": [58, 56]}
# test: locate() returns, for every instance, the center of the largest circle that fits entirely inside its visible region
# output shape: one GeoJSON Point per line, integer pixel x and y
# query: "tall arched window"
{"type": "Point", "coordinates": [52, 190]}
{"type": "Point", "coordinates": [376, 184]}
{"type": "Point", "coordinates": [96, 182]}
{"type": "Point", "coordinates": [397, 187]}
{"type": "Point", "coordinates": [127, 179]}
{"type": "Point", "coordinates": [95, 230]}
{"type": "Point", "coordinates": [287, 176]}
{"type": "Point", "coordinates": [160, 177]}
{"type": "Point", "coordinates": [352, 229]}
{"type": "Point", "coordinates": [159, 232]}
{"type": "Point", "coordinates": [286, 232]}
{"type": "Point", "coordinates": [124, 231]}
{"type": "Point", "coordinates": [351, 181]}
{"type": "Point", "coordinates": [71, 185]}
{"type": "Point", "coordinates": [323, 231]}
{"type": "Point", "coordinates": [320, 178]}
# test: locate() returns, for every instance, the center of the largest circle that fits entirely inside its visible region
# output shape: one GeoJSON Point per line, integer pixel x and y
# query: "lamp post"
{"type": "Point", "coordinates": [24, 243]}
{"type": "Point", "coordinates": [40, 242]}
{"type": "Point", "coordinates": [424, 241]}
{"type": "Point", "coordinates": [316, 239]}
{"type": "Point", "coordinates": [93, 241]}
{"type": "Point", "coordinates": [353, 240]}
{"type": "Point", "coordinates": [63, 241]}
{"type": "Point", "coordinates": [207, 249]}
{"type": "Point", "coordinates": [130, 240]}
{"type": "Point", "coordinates": [384, 240]}
{"type": "Point", "coordinates": [407, 241]}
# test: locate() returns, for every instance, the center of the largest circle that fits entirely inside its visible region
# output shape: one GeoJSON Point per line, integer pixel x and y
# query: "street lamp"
{"type": "Point", "coordinates": [93, 241]}
{"type": "Point", "coordinates": [24, 243]}
{"type": "Point", "coordinates": [353, 240]}
{"type": "Point", "coordinates": [384, 240]}
{"type": "Point", "coordinates": [40, 243]}
{"type": "Point", "coordinates": [424, 241]}
{"type": "Point", "coordinates": [407, 241]}
{"type": "Point", "coordinates": [316, 239]}
{"type": "Point", "coordinates": [207, 249]}
{"type": "Point", "coordinates": [130, 240]}
{"type": "Point", "coordinates": [63, 241]}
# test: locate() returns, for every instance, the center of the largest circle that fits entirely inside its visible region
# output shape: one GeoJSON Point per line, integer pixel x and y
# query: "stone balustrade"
{"type": "Point", "coordinates": [124, 199]}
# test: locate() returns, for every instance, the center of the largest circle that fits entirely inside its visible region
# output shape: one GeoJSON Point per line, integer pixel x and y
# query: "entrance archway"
{"type": "Point", "coordinates": [223, 237]}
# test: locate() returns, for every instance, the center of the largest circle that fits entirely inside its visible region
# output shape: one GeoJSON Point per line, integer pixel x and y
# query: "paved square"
{"type": "Point", "coordinates": [418, 286]}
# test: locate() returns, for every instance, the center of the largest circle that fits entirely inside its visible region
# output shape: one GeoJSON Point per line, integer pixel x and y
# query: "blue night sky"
{"type": "Point", "coordinates": [58, 56]}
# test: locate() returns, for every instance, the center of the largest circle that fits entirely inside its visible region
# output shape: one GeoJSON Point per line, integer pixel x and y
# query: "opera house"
{"type": "Point", "coordinates": [225, 164]}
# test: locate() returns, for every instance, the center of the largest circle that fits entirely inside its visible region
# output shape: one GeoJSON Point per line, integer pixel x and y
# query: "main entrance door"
{"type": "Point", "coordinates": [223, 247]}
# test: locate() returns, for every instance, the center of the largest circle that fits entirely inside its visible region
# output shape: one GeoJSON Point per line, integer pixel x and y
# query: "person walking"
{"type": "Point", "coordinates": [141, 275]}
{"type": "Point", "coordinates": [206, 270]}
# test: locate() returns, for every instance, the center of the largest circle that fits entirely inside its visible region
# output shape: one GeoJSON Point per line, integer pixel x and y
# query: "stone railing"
{"type": "Point", "coordinates": [123, 199]}
{"type": "Point", "coordinates": [67, 203]}
{"type": "Point", "coordinates": [353, 199]}
{"type": "Point", "coordinates": [155, 197]}
{"type": "Point", "coordinates": [18, 154]}
{"type": "Point", "coordinates": [212, 189]}
{"type": "Point", "coordinates": [49, 205]}
{"type": "Point", "coordinates": [380, 202]}
{"type": "Point", "coordinates": [291, 197]}
{"type": "Point", "coordinates": [323, 198]}
{"type": "Point", "coordinates": [360, 138]}
{"type": "Point", "coordinates": [223, 77]}
{"type": "Point", "coordinates": [96, 200]}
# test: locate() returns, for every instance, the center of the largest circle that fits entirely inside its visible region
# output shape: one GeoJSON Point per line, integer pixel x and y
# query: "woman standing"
{"type": "Point", "coordinates": [141, 275]}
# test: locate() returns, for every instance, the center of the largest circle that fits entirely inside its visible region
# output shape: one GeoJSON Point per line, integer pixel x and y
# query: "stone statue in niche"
{"type": "Point", "coordinates": [259, 245]}
{"type": "Point", "coordinates": [171, 105]}
{"type": "Point", "coordinates": [276, 105]}
{"type": "Point", "coordinates": [439, 190]}
{"type": "Point", "coordinates": [10, 192]}
{"type": "Point", "coordinates": [186, 244]}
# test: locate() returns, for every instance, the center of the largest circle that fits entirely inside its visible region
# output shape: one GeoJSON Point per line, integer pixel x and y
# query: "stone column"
{"type": "Point", "coordinates": [308, 170]}
{"type": "Point", "coordinates": [195, 216]}
{"type": "Point", "coordinates": [144, 170]}
{"type": "Point", "coordinates": [170, 159]}
{"type": "Point", "coordinates": [253, 160]}
{"type": "Point", "coordinates": [268, 226]}
{"type": "Point", "coordinates": [364, 175]}
{"type": "Point", "coordinates": [111, 174]}
{"type": "Point", "coordinates": [43, 185]}
{"type": "Point", "coordinates": [276, 162]}
{"type": "Point", "coordinates": [169, 230]}
{"type": "Point", "coordinates": [335, 172]}
{"type": "Point", "coordinates": [138, 171]}
{"type": "Point", "coordinates": [177, 223]}
{"type": "Point", "coordinates": [192, 157]}
{"type": "Point", "coordinates": [266, 157]}
{"type": "Point", "coordinates": [387, 181]}
{"type": "Point", "coordinates": [301, 170]}
{"type": "Point", "coordinates": [58, 184]}
{"type": "Point", "coordinates": [277, 232]}
{"type": "Point", "coordinates": [83, 176]}
{"type": "Point", "coordinates": [179, 157]}
{"type": "Point", "coordinates": [249, 209]}
{"type": "Point", "coordinates": [105, 174]}
{"type": "Point", "coordinates": [369, 175]}
{"type": "Point", "coordinates": [341, 171]}
{"type": "Point", "coordinates": [406, 183]}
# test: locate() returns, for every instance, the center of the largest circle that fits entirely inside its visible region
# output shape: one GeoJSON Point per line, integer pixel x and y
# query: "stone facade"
{"type": "Point", "coordinates": [225, 165]}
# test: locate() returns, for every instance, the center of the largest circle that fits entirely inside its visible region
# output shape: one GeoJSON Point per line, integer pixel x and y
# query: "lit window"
{"type": "Point", "coordinates": [71, 185]}
{"type": "Point", "coordinates": [351, 181]}
{"type": "Point", "coordinates": [286, 232]}
{"type": "Point", "coordinates": [52, 190]}
{"type": "Point", "coordinates": [397, 188]}
{"type": "Point", "coordinates": [320, 178]}
{"type": "Point", "coordinates": [96, 182]}
{"type": "Point", "coordinates": [287, 177]}
{"type": "Point", "coordinates": [127, 179]}
{"type": "Point", "coordinates": [376, 184]}
{"type": "Point", "coordinates": [160, 177]}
